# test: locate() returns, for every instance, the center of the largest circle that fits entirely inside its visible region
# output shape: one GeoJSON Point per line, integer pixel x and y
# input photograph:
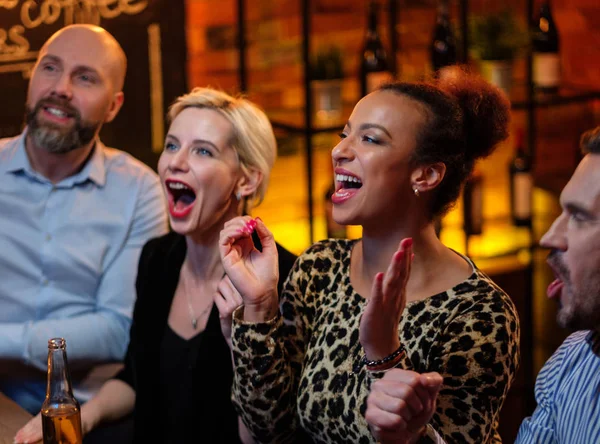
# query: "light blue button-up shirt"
{"type": "Point", "coordinates": [68, 262]}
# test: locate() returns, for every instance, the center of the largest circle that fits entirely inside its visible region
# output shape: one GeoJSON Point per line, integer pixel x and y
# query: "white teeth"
{"type": "Point", "coordinates": [345, 178]}
{"type": "Point", "coordinates": [56, 112]}
{"type": "Point", "coordinates": [177, 186]}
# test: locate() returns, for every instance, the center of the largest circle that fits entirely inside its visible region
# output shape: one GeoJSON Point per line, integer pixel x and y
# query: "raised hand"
{"type": "Point", "coordinates": [401, 404]}
{"type": "Point", "coordinates": [227, 299]}
{"type": "Point", "coordinates": [379, 322]}
{"type": "Point", "coordinates": [253, 273]}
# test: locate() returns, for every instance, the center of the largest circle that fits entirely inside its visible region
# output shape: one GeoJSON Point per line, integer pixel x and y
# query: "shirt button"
{"type": "Point", "coordinates": [48, 237]}
{"type": "Point", "coordinates": [45, 282]}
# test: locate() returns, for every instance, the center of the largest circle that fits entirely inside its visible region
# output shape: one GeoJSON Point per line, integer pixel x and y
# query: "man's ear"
{"type": "Point", "coordinates": [427, 177]}
{"type": "Point", "coordinates": [115, 106]}
{"type": "Point", "coordinates": [249, 182]}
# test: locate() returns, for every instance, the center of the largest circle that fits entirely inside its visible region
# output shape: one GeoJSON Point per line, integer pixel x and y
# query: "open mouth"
{"type": "Point", "coordinates": [181, 198]}
{"type": "Point", "coordinates": [57, 112]}
{"type": "Point", "coordinates": [345, 182]}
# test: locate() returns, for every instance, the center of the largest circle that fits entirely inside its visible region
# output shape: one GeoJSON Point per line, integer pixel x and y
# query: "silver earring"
{"type": "Point", "coordinates": [238, 195]}
{"type": "Point", "coordinates": [416, 191]}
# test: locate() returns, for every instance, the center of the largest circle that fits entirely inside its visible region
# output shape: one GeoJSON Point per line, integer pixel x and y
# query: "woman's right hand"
{"type": "Point", "coordinates": [253, 273]}
{"type": "Point", "coordinates": [401, 404]}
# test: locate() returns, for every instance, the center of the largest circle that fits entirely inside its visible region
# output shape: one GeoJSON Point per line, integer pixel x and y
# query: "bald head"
{"type": "Point", "coordinates": [93, 40]}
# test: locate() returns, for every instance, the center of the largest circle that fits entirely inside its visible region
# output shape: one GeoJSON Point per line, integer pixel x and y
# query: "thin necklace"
{"type": "Point", "coordinates": [192, 314]}
{"type": "Point", "coordinates": [191, 311]}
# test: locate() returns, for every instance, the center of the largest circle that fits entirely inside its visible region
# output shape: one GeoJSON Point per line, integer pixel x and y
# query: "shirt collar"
{"type": "Point", "coordinates": [18, 161]}
{"type": "Point", "coordinates": [93, 170]}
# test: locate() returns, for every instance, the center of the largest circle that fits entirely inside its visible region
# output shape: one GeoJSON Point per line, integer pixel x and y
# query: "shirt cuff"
{"type": "Point", "coordinates": [254, 343]}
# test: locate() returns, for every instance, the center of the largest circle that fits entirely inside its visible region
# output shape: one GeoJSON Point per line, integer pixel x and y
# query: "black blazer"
{"type": "Point", "coordinates": [158, 274]}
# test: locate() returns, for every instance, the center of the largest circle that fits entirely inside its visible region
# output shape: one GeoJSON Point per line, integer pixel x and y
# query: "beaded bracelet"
{"type": "Point", "coordinates": [381, 362]}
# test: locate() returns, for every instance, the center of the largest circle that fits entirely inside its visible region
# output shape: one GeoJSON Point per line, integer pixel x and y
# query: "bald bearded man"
{"type": "Point", "coordinates": [75, 215]}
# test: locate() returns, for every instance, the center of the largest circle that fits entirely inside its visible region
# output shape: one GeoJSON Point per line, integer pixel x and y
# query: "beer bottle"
{"type": "Point", "coordinates": [61, 417]}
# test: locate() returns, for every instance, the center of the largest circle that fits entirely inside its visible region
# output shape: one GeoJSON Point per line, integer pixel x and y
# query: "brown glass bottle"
{"type": "Point", "coordinates": [61, 416]}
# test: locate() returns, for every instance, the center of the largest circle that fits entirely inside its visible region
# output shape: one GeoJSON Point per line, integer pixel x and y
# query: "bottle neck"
{"type": "Point", "coordinates": [372, 22]}
{"type": "Point", "coordinates": [546, 12]}
{"type": "Point", "coordinates": [442, 12]}
{"type": "Point", "coordinates": [59, 380]}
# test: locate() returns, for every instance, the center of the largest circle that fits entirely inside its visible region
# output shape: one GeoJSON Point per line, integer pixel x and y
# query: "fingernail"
{"type": "Point", "coordinates": [408, 242]}
{"type": "Point", "coordinates": [258, 218]}
{"type": "Point", "coordinates": [412, 256]}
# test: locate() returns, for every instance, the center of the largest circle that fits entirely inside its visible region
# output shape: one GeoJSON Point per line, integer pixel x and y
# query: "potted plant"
{"type": "Point", "coordinates": [326, 75]}
{"type": "Point", "coordinates": [496, 39]}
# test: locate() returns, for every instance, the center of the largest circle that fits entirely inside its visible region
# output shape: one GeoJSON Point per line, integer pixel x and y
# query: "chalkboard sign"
{"type": "Point", "coordinates": [152, 33]}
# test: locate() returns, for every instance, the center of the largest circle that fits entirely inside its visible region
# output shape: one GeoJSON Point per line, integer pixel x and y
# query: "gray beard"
{"type": "Point", "coordinates": [55, 139]}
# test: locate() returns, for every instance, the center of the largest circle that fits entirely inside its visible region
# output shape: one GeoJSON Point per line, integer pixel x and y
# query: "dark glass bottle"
{"type": "Point", "coordinates": [61, 416]}
{"type": "Point", "coordinates": [545, 48]}
{"type": "Point", "coordinates": [443, 44]}
{"type": "Point", "coordinates": [473, 204]}
{"type": "Point", "coordinates": [521, 184]}
{"type": "Point", "coordinates": [375, 67]}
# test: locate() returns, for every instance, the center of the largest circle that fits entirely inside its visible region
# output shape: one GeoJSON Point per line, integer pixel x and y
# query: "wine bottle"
{"type": "Point", "coordinates": [521, 184]}
{"type": "Point", "coordinates": [61, 414]}
{"type": "Point", "coordinates": [443, 44]}
{"type": "Point", "coordinates": [545, 47]}
{"type": "Point", "coordinates": [473, 204]}
{"type": "Point", "coordinates": [374, 68]}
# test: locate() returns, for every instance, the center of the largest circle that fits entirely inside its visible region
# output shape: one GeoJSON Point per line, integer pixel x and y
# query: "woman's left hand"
{"type": "Point", "coordinates": [379, 322]}
{"type": "Point", "coordinates": [227, 300]}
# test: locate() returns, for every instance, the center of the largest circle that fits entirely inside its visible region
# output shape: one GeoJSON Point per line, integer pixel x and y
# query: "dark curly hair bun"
{"type": "Point", "coordinates": [486, 111]}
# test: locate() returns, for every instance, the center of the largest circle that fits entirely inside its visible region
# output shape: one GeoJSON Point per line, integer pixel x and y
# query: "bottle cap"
{"type": "Point", "coordinates": [56, 343]}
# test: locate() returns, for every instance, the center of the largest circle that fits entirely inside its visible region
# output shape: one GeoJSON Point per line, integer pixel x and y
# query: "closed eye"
{"type": "Point", "coordinates": [343, 135]}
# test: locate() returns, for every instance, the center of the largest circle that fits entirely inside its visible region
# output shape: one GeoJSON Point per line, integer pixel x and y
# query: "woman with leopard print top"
{"type": "Point", "coordinates": [425, 350]}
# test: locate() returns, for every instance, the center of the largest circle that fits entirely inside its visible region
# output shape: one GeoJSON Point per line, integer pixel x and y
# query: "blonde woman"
{"type": "Point", "coordinates": [177, 377]}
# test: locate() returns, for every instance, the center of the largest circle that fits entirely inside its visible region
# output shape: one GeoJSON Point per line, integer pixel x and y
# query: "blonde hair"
{"type": "Point", "coordinates": [253, 138]}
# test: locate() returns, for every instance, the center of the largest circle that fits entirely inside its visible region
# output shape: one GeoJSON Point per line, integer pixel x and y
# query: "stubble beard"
{"type": "Point", "coordinates": [582, 308]}
{"type": "Point", "coordinates": [55, 139]}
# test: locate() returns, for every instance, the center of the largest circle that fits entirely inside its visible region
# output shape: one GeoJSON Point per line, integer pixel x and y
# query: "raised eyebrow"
{"type": "Point", "coordinates": [366, 126]}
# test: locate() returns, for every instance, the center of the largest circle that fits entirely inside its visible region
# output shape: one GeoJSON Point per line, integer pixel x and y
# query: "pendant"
{"type": "Point", "coordinates": [194, 323]}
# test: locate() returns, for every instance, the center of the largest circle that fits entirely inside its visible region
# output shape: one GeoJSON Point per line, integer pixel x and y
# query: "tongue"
{"type": "Point", "coordinates": [184, 201]}
{"type": "Point", "coordinates": [554, 289]}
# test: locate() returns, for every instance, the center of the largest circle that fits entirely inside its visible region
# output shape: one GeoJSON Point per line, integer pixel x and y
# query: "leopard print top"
{"type": "Point", "coordinates": [298, 377]}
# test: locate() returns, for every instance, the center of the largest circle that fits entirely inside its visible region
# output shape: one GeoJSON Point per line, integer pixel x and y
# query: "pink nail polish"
{"type": "Point", "coordinates": [408, 242]}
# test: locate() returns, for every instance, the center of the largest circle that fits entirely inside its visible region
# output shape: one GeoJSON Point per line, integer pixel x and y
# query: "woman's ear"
{"type": "Point", "coordinates": [249, 183]}
{"type": "Point", "coordinates": [426, 178]}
